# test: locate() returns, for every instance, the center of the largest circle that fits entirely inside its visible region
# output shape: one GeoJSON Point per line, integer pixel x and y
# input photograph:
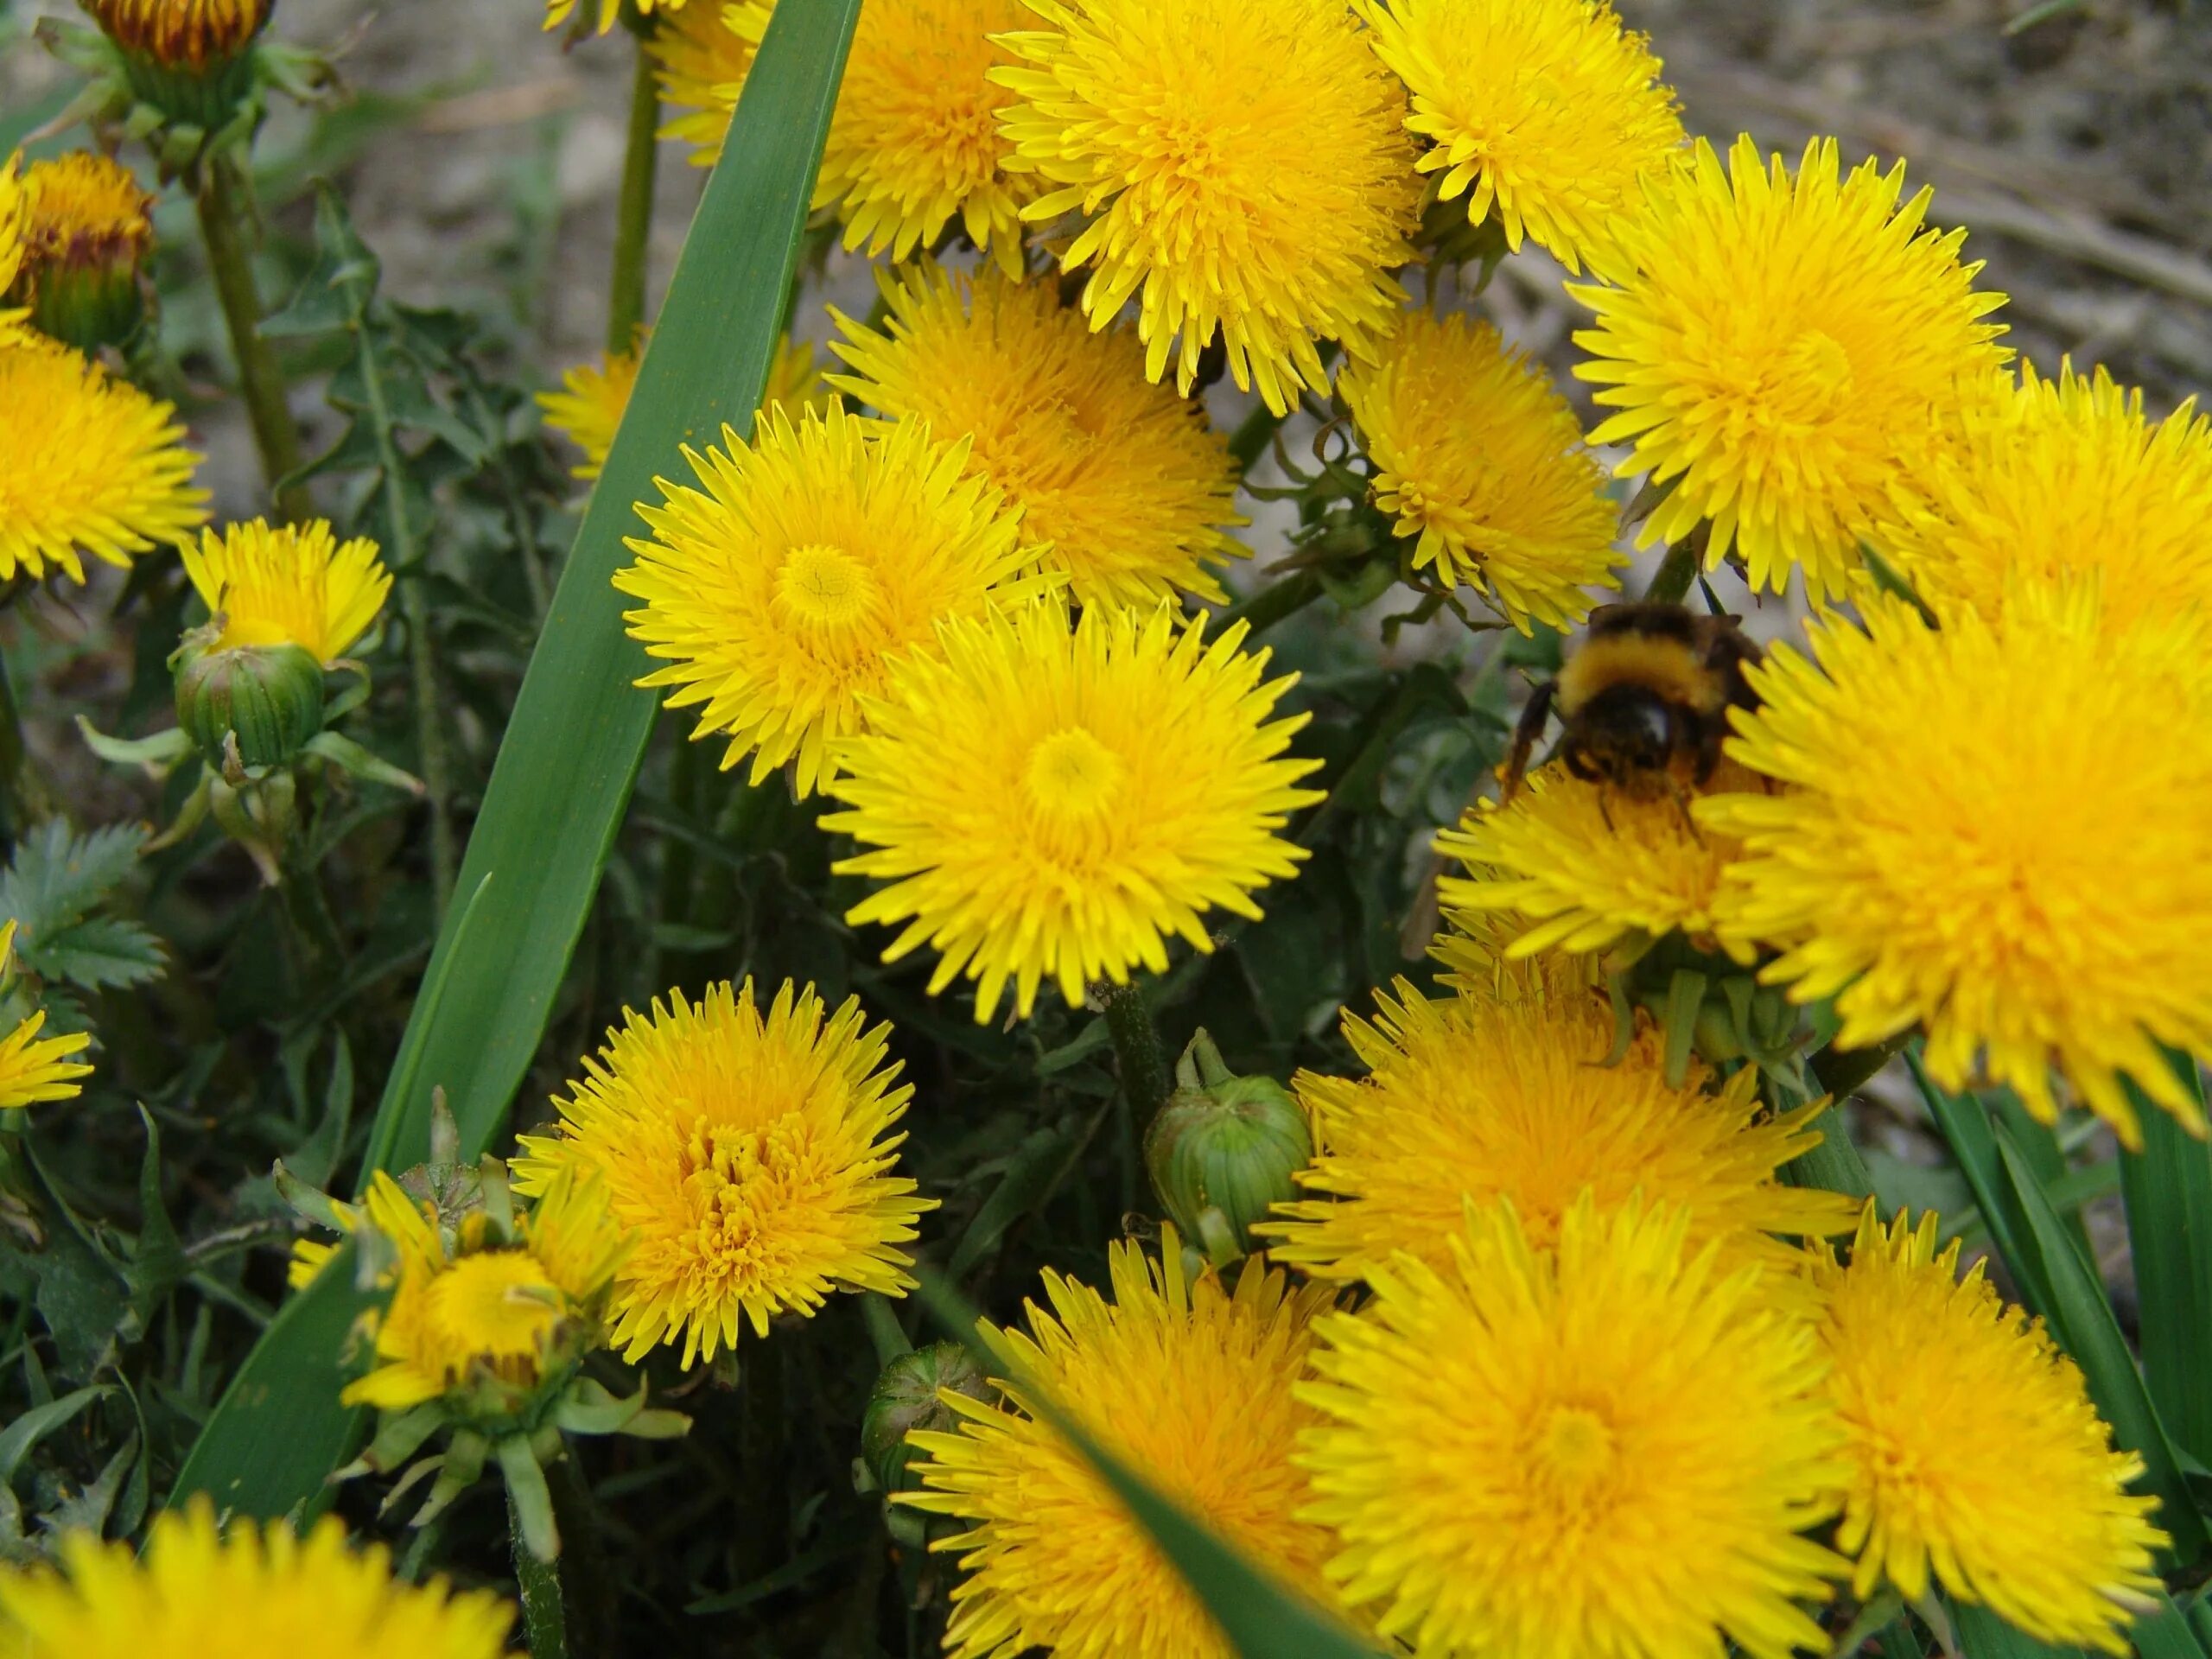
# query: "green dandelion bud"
{"type": "Point", "coordinates": [906, 1398]}
{"type": "Point", "coordinates": [1224, 1150]}
{"type": "Point", "coordinates": [252, 706]}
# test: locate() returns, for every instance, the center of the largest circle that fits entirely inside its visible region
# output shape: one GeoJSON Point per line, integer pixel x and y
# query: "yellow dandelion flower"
{"type": "Point", "coordinates": [1585, 865]}
{"type": "Point", "coordinates": [1785, 350]}
{"type": "Point", "coordinates": [85, 208]}
{"type": "Point", "coordinates": [34, 1070]}
{"type": "Point", "coordinates": [558, 12]}
{"type": "Point", "coordinates": [749, 1158]}
{"type": "Point", "coordinates": [1984, 836]}
{"type": "Point", "coordinates": [193, 34]}
{"type": "Point", "coordinates": [288, 584]}
{"type": "Point", "coordinates": [1478, 454]}
{"type": "Point", "coordinates": [1243, 168]}
{"type": "Point", "coordinates": [1551, 112]}
{"type": "Point", "coordinates": [1974, 1449]}
{"type": "Point", "coordinates": [1192, 1386]}
{"type": "Point", "coordinates": [587, 409]}
{"type": "Point", "coordinates": [1125, 481]}
{"type": "Point", "coordinates": [94, 465]}
{"type": "Point", "coordinates": [15, 216]}
{"type": "Point", "coordinates": [1043, 805]}
{"type": "Point", "coordinates": [780, 594]}
{"type": "Point", "coordinates": [1607, 1447]}
{"type": "Point", "coordinates": [256, 1593]}
{"type": "Point", "coordinates": [485, 1311]}
{"type": "Point", "coordinates": [1482, 1098]}
{"type": "Point", "coordinates": [915, 140]}
{"type": "Point", "coordinates": [2061, 477]}
{"type": "Point", "coordinates": [701, 55]}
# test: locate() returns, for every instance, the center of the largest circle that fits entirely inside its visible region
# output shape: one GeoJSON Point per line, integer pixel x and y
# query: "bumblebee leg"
{"type": "Point", "coordinates": [1525, 734]}
{"type": "Point", "coordinates": [1682, 799]}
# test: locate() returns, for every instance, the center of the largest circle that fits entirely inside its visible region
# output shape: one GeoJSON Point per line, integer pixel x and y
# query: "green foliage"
{"type": "Point", "coordinates": [55, 888]}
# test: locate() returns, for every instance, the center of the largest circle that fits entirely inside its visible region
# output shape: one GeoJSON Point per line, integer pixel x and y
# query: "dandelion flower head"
{"type": "Point", "coordinates": [1047, 806]}
{"type": "Point", "coordinates": [1784, 349]}
{"type": "Point", "coordinates": [2058, 477]}
{"type": "Point", "coordinates": [780, 591]}
{"type": "Point", "coordinates": [1192, 1386]}
{"type": "Point", "coordinates": [484, 1311]}
{"type": "Point", "coordinates": [587, 409]}
{"type": "Point", "coordinates": [191, 34]}
{"type": "Point", "coordinates": [83, 209]}
{"type": "Point", "coordinates": [34, 1068]}
{"type": "Point", "coordinates": [95, 466]}
{"type": "Point", "coordinates": [1974, 1452]}
{"type": "Point", "coordinates": [748, 1156]}
{"type": "Point", "coordinates": [290, 584]}
{"type": "Point", "coordinates": [1981, 834]}
{"type": "Point", "coordinates": [1607, 1446]}
{"type": "Point", "coordinates": [1484, 1098]}
{"type": "Point", "coordinates": [256, 1593]}
{"type": "Point", "coordinates": [1478, 454]}
{"type": "Point", "coordinates": [15, 217]}
{"type": "Point", "coordinates": [1126, 482]}
{"type": "Point", "coordinates": [1242, 169]}
{"type": "Point", "coordinates": [1545, 114]}
{"type": "Point", "coordinates": [558, 12]}
{"type": "Point", "coordinates": [702, 56]}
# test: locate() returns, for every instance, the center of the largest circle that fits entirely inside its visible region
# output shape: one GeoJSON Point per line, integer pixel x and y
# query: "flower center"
{"type": "Point", "coordinates": [1073, 777]}
{"type": "Point", "coordinates": [1574, 1452]}
{"type": "Point", "coordinates": [826, 588]}
{"type": "Point", "coordinates": [497, 1303]}
{"type": "Point", "coordinates": [1815, 377]}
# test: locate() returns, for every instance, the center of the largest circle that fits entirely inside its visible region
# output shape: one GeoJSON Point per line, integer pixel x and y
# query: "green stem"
{"type": "Point", "coordinates": [415, 604]}
{"type": "Point", "coordinates": [633, 223]}
{"type": "Point", "coordinates": [544, 1621]}
{"type": "Point", "coordinates": [1250, 439]}
{"type": "Point", "coordinates": [883, 1327]}
{"type": "Point", "coordinates": [586, 1573]}
{"type": "Point", "coordinates": [1670, 583]}
{"type": "Point", "coordinates": [1143, 1065]}
{"type": "Point", "coordinates": [1272, 604]}
{"type": "Point", "coordinates": [313, 922]}
{"type": "Point", "coordinates": [261, 383]}
{"type": "Point", "coordinates": [678, 864]}
{"type": "Point", "coordinates": [24, 798]}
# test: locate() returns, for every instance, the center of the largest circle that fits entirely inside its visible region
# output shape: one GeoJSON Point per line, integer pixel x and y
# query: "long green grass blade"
{"type": "Point", "coordinates": [1964, 1124]}
{"type": "Point", "coordinates": [569, 757]}
{"type": "Point", "coordinates": [1262, 1619]}
{"type": "Point", "coordinates": [1982, 1635]}
{"type": "Point", "coordinates": [2168, 1186]}
{"type": "Point", "coordinates": [580, 726]}
{"type": "Point", "coordinates": [2081, 1319]}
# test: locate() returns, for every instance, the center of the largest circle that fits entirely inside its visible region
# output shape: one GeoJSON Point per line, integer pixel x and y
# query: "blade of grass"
{"type": "Point", "coordinates": [571, 753]}
{"type": "Point", "coordinates": [1982, 1635]}
{"type": "Point", "coordinates": [2081, 1319]}
{"type": "Point", "coordinates": [1964, 1124]}
{"type": "Point", "coordinates": [1262, 1619]}
{"type": "Point", "coordinates": [580, 726]}
{"type": "Point", "coordinates": [2168, 1187]}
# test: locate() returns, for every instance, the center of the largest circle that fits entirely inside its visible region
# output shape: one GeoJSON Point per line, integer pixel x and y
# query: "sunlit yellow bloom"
{"type": "Point", "coordinates": [587, 409]}
{"type": "Point", "coordinates": [484, 1310]}
{"type": "Point", "coordinates": [33, 1068]}
{"type": "Point", "coordinates": [1606, 1447]}
{"type": "Point", "coordinates": [15, 216]}
{"type": "Point", "coordinates": [702, 56]}
{"type": "Point", "coordinates": [1997, 834]}
{"type": "Point", "coordinates": [93, 465]}
{"type": "Point", "coordinates": [1974, 1452]}
{"type": "Point", "coordinates": [255, 1594]}
{"type": "Point", "coordinates": [1243, 168]}
{"type": "Point", "coordinates": [1125, 481]}
{"type": "Point", "coordinates": [1549, 110]}
{"type": "Point", "coordinates": [85, 208]}
{"type": "Point", "coordinates": [1478, 454]}
{"type": "Point", "coordinates": [1042, 805]}
{"type": "Point", "coordinates": [192, 34]}
{"type": "Point", "coordinates": [915, 141]}
{"type": "Point", "coordinates": [1583, 865]}
{"type": "Point", "coordinates": [1505, 1095]}
{"type": "Point", "coordinates": [288, 584]}
{"type": "Point", "coordinates": [2064, 476]}
{"type": "Point", "coordinates": [1188, 1384]}
{"type": "Point", "coordinates": [780, 594]}
{"type": "Point", "coordinates": [749, 1159]}
{"type": "Point", "coordinates": [1785, 351]}
{"type": "Point", "coordinates": [558, 12]}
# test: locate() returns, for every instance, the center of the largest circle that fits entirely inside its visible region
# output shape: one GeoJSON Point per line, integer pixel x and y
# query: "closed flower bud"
{"type": "Point", "coordinates": [86, 235]}
{"type": "Point", "coordinates": [267, 697]}
{"type": "Point", "coordinates": [1224, 1150]}
{"type": "Point", "coordinates": [906, 1399]}
{"type": "Point", "coordinates": [186, 58]}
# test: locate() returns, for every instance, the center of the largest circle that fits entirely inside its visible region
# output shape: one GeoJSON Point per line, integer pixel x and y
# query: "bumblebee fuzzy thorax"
{"type": "Point", "coordinates": [1669, 667]}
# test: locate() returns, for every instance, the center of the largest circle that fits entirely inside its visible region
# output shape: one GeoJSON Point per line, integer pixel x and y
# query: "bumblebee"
{"type": "Point", "coordinates": [1644, 697]}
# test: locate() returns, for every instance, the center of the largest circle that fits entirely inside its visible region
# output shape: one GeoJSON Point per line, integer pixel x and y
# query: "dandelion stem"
{"type": "Point", "coordinates": [544, 1621]}
{"type": "Point", "coordinates": [883, 1327]}
{"type": "Point", "coordinates": [24, 798]}
{"type": "Point", "coordinates": [633, 223]}
{"type": "Point", "coordinates": [1670, 583]}
{"type": "Point", "coordinates": [1273, 604]}
{"type": "Point", "coordinates": [1143, 1067]}
{"type": "Point", "coordinates": [261, 383]}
